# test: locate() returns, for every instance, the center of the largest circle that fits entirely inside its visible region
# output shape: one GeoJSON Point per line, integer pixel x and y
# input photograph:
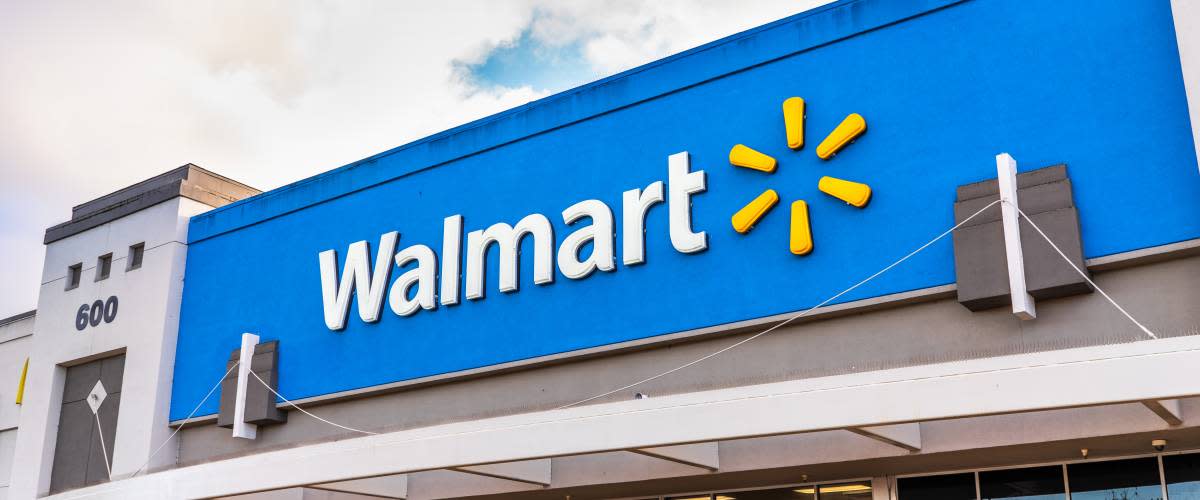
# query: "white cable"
{"type": "Point", "coordinates": [1085, 276]}
{"type": "Point", "coordinates": [780, 324]}
{"type": "Point", "coordinates": [185, 419]}
{"type": "Point", "coordinates": [302, 410]}
{"type": "Point", "coordinates": [103, 447]}
{"type": "Point", "coordinates": [788, 320]}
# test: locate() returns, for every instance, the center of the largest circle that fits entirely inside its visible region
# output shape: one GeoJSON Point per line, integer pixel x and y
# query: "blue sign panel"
{"type": "Point", "coordinates": [942, 87]}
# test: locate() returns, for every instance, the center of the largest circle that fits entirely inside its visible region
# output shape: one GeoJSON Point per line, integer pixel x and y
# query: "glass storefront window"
{"type": "Point", "coordinates": [1183, 476]}
{"type": "Point", "coordinates": [1034, 483]}
{"type": "Point", "coordinates": [944, 487]}
{"type": "Point", "coordinates": [841, 491]}
{"type": "Point", "coordinates": [1135, 479]}
{"type": "Point", "coordinates": [1130, 479]}
{"type": "Point", "coordinates": [793, 493]}
{"type": "Point", "coordinates": [845, 491]}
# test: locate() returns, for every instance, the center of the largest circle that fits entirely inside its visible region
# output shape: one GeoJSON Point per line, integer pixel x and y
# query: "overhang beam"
{"type": "Point", "coordinates": [1166, 409]}
{"type": "Point", "coordinates": [395, 486]}
{"type": "Point", "coordinates": [535, 472]}
{"type": "Point", "coordinates": [702, 455]}
{"type": "Point", "coordinates": [906, 436]}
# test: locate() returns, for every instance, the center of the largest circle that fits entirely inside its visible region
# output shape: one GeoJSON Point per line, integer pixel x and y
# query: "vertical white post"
{"type": "Point", "coordinates": [1006, 176]}
{"type": "Point", "coordinates": [1186, 14]}
{"type": "Point", "coordinates": [240, 428]}
{"type": "Point", "coordinates": [881, 488]}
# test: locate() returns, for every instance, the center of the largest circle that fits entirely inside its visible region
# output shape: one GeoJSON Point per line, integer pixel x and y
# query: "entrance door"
{"type": "Point", "coordinates": [80, 459]}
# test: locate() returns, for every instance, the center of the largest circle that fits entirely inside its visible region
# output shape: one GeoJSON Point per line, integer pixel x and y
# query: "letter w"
{"type": "Point", "coordinates": [357, 275]}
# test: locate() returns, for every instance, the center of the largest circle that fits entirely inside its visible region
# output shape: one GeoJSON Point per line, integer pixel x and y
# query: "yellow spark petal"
{"type": "Point", "coordinates": [745, 218]}
{"type": "Point", "coordinates": [793, 121]}
{"type": "Point", "coordinates": [854, 193]}
{"type": "Point", "coordinates": [743, 156]}
{"type": "Point", "coordinates": [801, 239]}
{"type": "Point", "coordinates": [850, 128]}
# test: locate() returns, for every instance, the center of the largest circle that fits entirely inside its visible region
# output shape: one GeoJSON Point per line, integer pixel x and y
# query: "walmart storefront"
{"type": "Point", "coordinates": [888, 250]}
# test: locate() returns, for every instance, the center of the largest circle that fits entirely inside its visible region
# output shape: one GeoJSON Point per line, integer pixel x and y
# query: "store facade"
{"type": "Point", "coordinates": [774, 266]}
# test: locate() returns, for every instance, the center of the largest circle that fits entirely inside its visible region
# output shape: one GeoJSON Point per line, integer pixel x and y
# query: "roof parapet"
{"type": "Point", "coordinates": [189, 181]}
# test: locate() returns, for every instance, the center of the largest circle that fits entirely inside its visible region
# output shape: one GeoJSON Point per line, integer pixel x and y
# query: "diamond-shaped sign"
{"type": "Point", "coordinates": [96, 397]}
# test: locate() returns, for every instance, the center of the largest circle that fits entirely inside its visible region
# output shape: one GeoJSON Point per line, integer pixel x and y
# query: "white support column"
{"type": "Point", "coordinates": [384, 486]}
{"type": "Point", "coordinates": [907, 436]}
{"type": "Point", "coordinates": [1166, 409]}
{"type": "Point", "coordinates": [536, 472]}
{"type": "Point", "coordinates": [1186, 14]}
{"type": "Point", "coordinates": [1006, 176]}
{"type": "Point", "coordinates": [881, 488]}
{"type": "Point", "coordinates": [241, 429]}
{"type": "Point", "coordinates": [702, 455]}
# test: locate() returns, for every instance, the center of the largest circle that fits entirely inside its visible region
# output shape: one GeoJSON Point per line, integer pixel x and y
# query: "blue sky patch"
{"type": "Point", "coordinates": [527, 61]}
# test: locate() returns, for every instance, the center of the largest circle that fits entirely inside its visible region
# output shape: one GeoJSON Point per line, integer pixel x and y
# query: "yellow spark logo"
{"type": "Point", "coordinates": [854, 193]}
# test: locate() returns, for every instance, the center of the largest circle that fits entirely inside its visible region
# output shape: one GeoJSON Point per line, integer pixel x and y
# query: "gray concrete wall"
{"type": "Point", "coordinates": [1162, 294]}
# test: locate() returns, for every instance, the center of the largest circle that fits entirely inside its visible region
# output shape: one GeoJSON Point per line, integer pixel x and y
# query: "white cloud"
{"type": "Point", "coordinates": [629, 32]}
{"type": "Point", "coordinates": [97, 96]}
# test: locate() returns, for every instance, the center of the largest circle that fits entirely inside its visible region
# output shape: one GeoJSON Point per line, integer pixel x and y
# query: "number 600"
{"type": "Point", "coordinates": [92, 314]}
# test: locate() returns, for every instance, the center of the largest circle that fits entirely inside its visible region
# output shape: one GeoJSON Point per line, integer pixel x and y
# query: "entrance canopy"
{"type": "Point", "coordinates": [889, 406]}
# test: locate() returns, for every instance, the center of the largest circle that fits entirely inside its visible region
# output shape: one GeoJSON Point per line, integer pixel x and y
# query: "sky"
{"type": "Point", "coordinates": [95, 96]}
